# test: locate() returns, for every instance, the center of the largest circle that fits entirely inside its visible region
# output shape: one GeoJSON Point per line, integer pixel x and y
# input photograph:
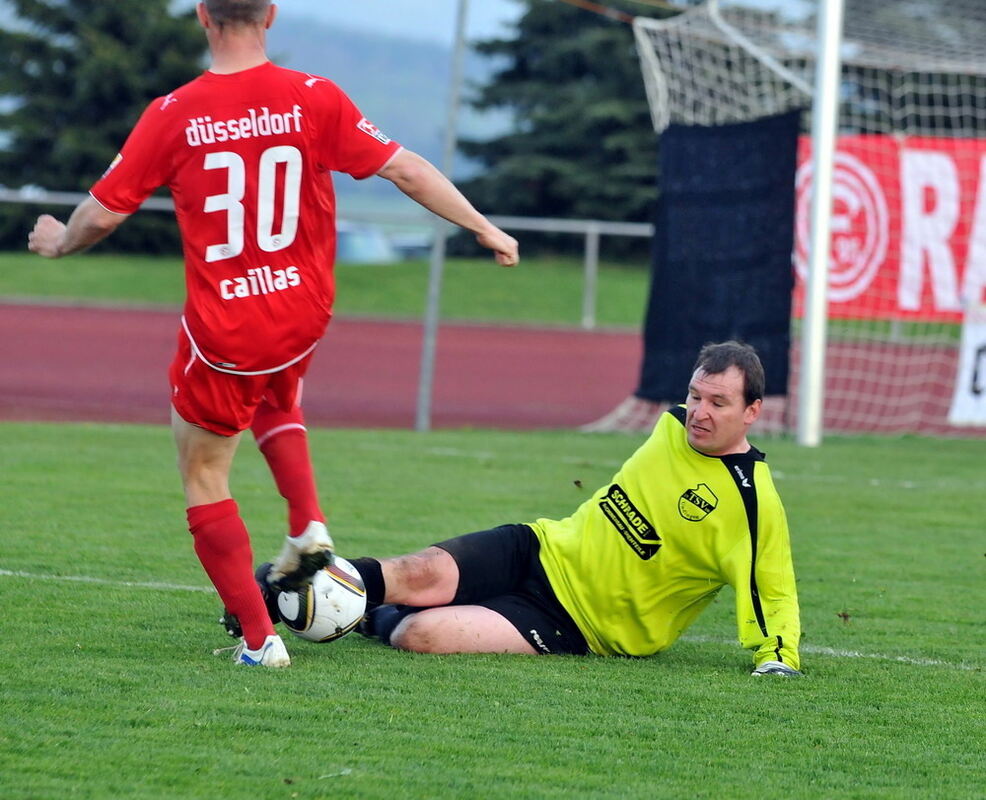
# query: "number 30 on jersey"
{"type": "Point", "coordinates": [232, 201]}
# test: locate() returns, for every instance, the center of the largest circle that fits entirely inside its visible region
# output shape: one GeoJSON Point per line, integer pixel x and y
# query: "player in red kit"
{"type": "Point", "coordinates": [247, 150]}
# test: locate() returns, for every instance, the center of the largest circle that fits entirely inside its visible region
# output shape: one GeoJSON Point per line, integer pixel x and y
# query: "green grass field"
{"type": "Point", "coordinates": [539, 291]}
{"type": "Point", "coordinates": [110, 688]}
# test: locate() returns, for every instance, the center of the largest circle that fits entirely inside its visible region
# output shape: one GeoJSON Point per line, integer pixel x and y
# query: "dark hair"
{"type": "Point", "coordinates": [237, 12]}
{"type": "Point", "coordinates": [716, 358]}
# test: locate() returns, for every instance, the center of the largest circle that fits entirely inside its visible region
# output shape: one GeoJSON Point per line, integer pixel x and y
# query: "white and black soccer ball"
{"type": "Point", "coordinates": [329, 607]}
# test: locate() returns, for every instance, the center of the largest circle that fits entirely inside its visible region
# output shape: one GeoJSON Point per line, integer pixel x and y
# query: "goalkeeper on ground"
{"type": "Point", "coordinates": [692, 510]}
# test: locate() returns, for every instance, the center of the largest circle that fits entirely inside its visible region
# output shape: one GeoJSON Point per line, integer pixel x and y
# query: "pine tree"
{"type": "Point", "coordinates": [582, 144]}
{"type": "Point", "coordinates": [76, 75]}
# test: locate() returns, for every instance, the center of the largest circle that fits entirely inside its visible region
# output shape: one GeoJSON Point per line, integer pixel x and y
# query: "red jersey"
{"type": "Point", "coordinates": [247, 157]}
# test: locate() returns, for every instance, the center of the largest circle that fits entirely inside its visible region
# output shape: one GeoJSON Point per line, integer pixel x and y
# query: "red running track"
{"type": "Point", "coordinates": [99, 364]}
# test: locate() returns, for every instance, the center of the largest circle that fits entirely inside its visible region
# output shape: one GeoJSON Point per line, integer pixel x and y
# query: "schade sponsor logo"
{"type": "Point", "coordinates": [633, 526]}
{"type": "Point", "coordinates": [205, 130]}
{"type": "Point", "coordinates": [696, 504]}
{"type": "Point", "coordinates": [369, 128]}
{"type": "Point", "coordinates": [261, 280]}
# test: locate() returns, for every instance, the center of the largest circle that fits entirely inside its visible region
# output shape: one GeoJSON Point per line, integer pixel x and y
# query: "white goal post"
{"type": "Point", "coordinates": [907, 257]}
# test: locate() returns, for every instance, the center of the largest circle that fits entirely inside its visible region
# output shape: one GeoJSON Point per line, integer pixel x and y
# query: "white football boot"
{"type": "Point", "coordinates": [776, 668]}
{"type": "Point", "coordinates": [301, 557]}
{"type": "Point", "coordinates": [272, 653]}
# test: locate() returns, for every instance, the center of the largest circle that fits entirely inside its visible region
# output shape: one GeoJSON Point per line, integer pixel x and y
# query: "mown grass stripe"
{"type": "Point", "coordinates": [813, 649]}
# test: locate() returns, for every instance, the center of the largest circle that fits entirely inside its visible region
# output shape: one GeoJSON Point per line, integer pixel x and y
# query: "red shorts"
{"type": "Point", "coordinates": [224, 403]}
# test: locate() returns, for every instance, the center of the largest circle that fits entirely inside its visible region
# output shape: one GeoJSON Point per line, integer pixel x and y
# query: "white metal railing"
{"type": "Point", "coordinates": [592, 230]}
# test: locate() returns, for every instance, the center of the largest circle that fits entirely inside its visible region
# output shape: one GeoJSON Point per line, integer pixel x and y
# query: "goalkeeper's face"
{"type": "Point", "coordinates": [718, 417]}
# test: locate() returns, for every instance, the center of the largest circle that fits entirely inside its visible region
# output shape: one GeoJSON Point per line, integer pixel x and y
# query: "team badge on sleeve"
{"type": "Point", "coordinates": [113, 163]}
{"type": "Point", "coordinates": [372, 130]}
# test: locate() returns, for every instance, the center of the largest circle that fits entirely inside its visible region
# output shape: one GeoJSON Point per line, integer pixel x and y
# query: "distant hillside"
{"type": "Point", "coordinates": [401, 85]}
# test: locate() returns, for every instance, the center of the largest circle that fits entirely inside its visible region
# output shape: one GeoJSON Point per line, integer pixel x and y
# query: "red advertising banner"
{"type": "Point", "coordinates": [908, 227]}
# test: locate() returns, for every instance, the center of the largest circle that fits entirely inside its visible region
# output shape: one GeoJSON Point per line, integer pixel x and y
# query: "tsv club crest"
{"type": "Point", "coordinates": [696, 504]}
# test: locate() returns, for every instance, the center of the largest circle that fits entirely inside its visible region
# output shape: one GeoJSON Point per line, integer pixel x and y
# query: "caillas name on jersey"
{"type": "Point", "coordinates": [205, 130]}
{"type": "Point", "coordinates": [260, 280]}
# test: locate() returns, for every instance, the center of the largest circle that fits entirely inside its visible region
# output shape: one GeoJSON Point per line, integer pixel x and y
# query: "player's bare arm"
{"type": "Point", "coordinates": [89, 223]}
{"type": "Point", "coordinates": [420, 180]}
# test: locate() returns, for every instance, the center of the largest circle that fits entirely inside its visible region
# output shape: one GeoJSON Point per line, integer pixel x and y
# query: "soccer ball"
{"type": "Point", "coordinates": [329, 607]}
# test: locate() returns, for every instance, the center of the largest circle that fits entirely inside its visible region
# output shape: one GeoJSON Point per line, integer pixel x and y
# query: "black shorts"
{"type": "Point", "coordinates": [500, 569]}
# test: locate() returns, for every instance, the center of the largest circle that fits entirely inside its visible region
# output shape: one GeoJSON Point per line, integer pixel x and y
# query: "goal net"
{"type": "Point", "coordinates": [907, 267]}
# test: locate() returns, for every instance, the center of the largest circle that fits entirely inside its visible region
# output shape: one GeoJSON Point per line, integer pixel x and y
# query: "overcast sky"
{"type": "Point", "coordinates": [434, 20]}
{"type": "Point", "coordinates": [431, 20]}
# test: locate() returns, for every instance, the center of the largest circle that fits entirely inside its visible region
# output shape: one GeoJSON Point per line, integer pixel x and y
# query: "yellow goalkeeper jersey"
{"type": "Point", "coordinates": [636, 563]}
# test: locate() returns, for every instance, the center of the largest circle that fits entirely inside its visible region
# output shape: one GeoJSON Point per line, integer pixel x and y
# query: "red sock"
{"type": "Point", "coordinates": [282, 438]}
{"type": "Point", "coordinates": [223, 546]}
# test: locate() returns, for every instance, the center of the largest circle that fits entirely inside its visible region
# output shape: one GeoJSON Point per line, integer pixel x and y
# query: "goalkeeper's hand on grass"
{"type": "Point", "coordinates": [776, 668]}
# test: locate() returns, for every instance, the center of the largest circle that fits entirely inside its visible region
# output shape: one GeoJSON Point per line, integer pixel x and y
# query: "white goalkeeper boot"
{"type": "Point", "coordinates": [272, 653]}
{"type": "Point", "coordinates": [301, 557]}
{"type": "Point", "coordinates": [776, 668]}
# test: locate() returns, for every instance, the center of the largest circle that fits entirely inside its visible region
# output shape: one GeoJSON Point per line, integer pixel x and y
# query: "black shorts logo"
{"type": "Point", "coordinates": [696, 504]}
{"type": "Point", "coordinates": [630, 523]}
